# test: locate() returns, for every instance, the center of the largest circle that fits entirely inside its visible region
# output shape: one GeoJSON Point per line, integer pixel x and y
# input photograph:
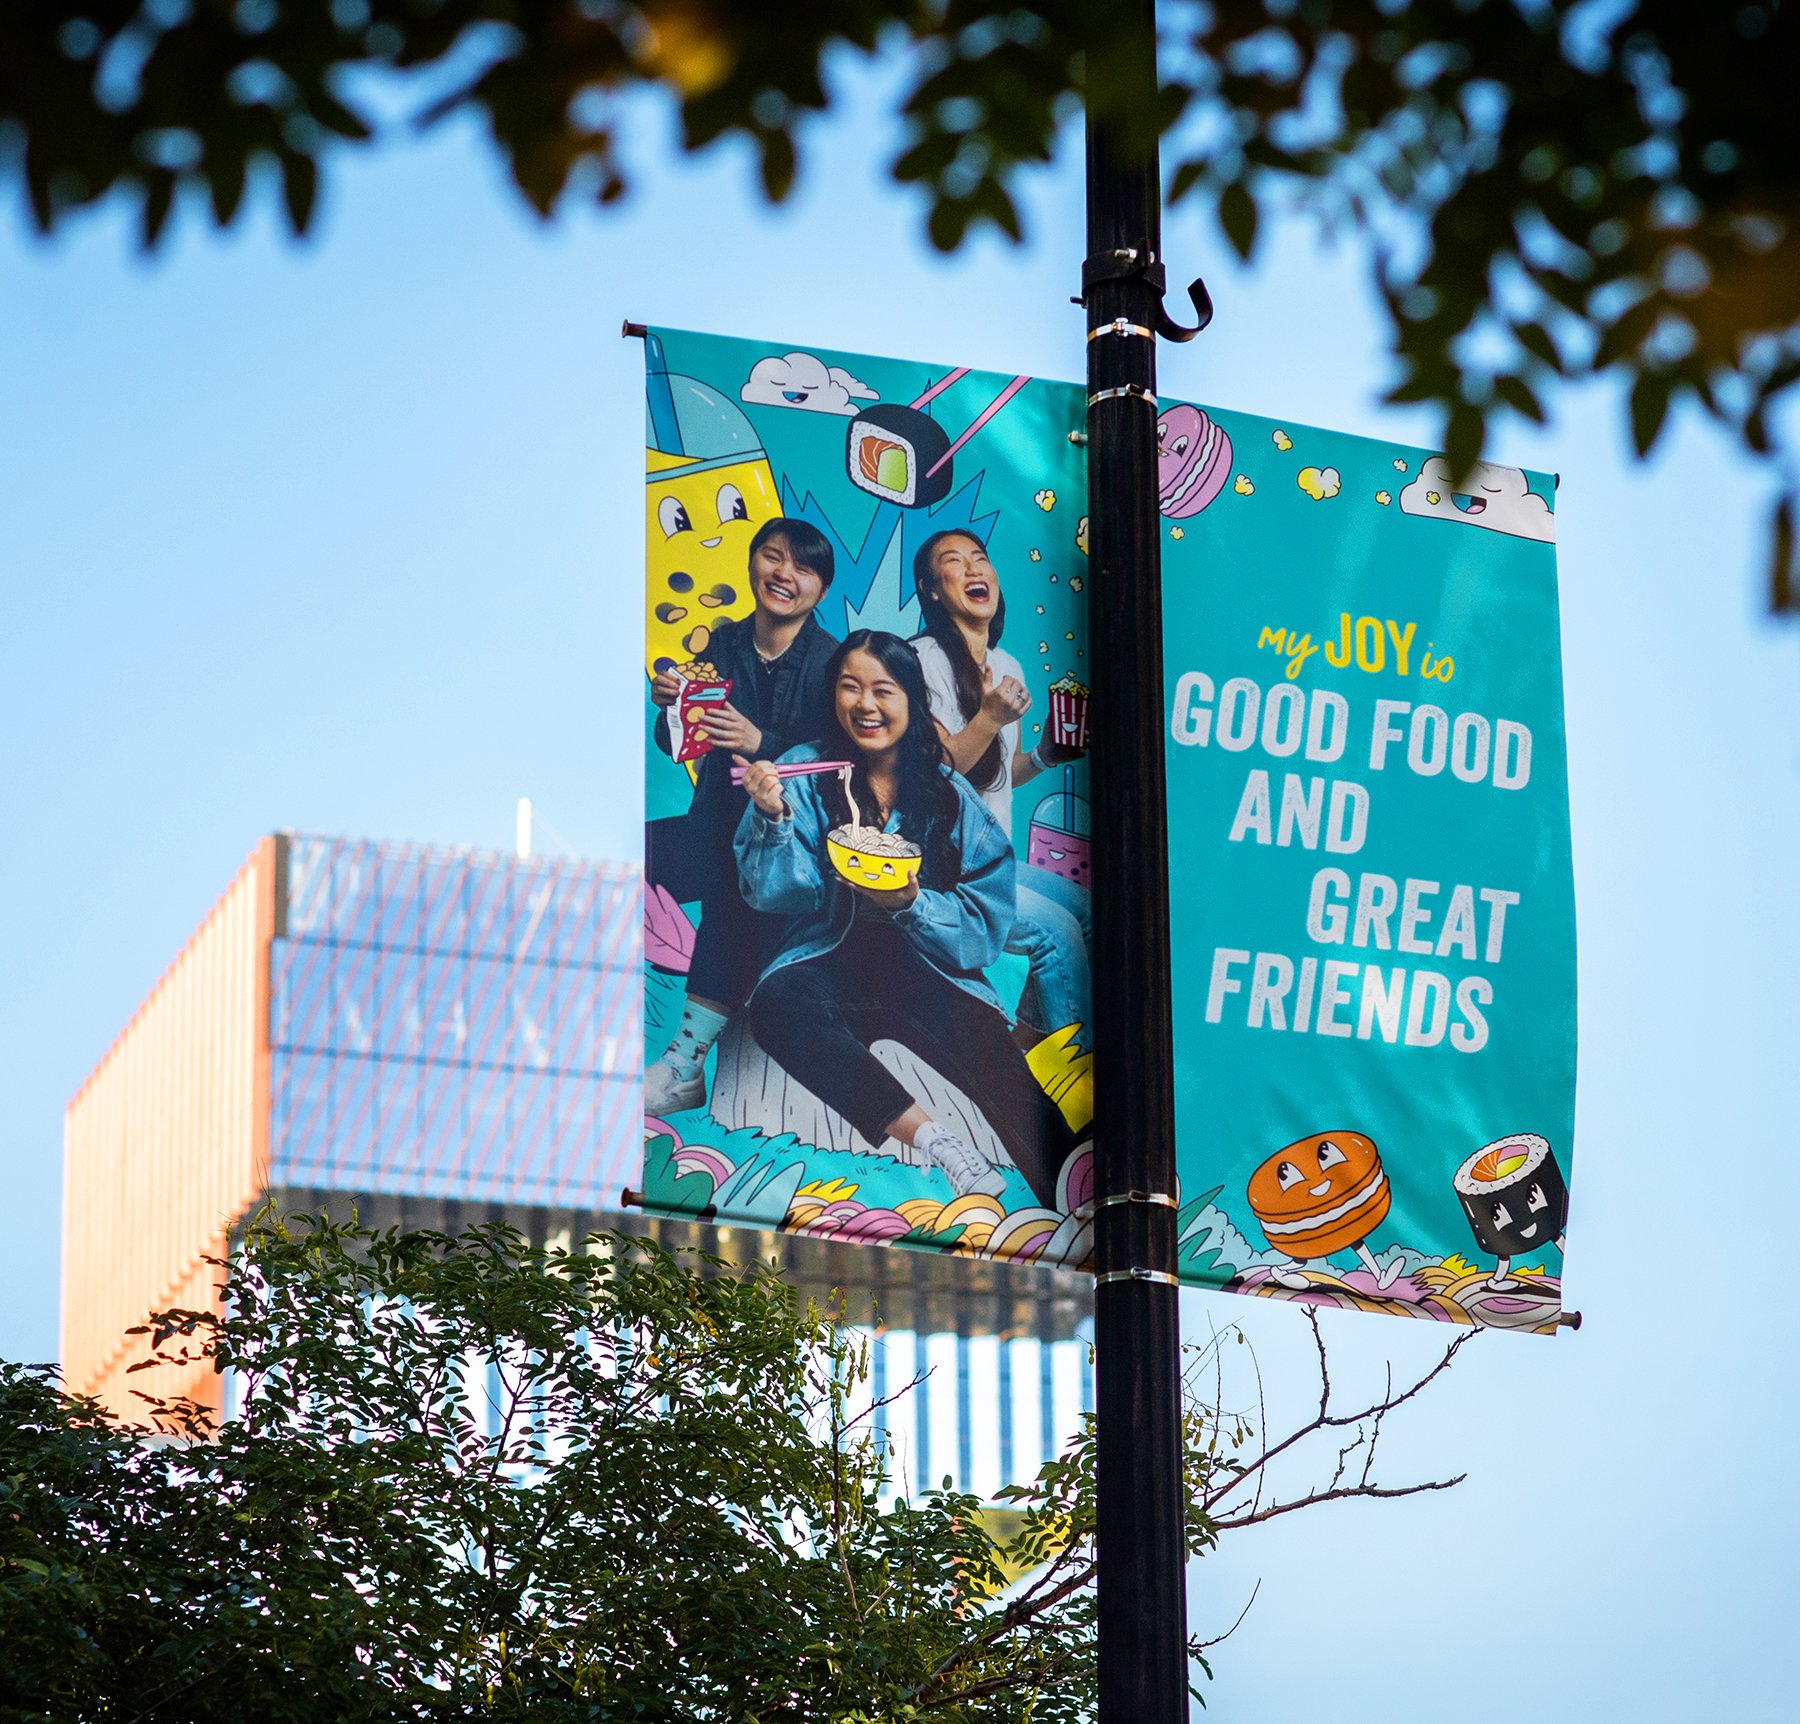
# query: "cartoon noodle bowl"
{"type": "Point", "coordinates": [876, 861]}
{"type": "Point", "coordinates": [1514, 1195]}
{"type": "Point", "coordinates": [707, 488]}
{"type": "Point", "coordinates": [1322, 1195]}
{"type": "Point", "coordinates": [1193, 461]}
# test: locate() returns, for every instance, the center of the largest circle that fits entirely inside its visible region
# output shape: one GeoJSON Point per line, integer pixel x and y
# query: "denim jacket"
{"type": "Point", "coordinates": [783, 869]}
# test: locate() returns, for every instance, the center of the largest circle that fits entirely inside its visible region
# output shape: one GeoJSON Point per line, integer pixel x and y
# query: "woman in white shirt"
{"type": "Point", "coordinates": [978, 696]}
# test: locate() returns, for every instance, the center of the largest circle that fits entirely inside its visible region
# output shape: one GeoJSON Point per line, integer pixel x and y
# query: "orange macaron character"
{"type": "Point", "coordinates": [1322, 1194]}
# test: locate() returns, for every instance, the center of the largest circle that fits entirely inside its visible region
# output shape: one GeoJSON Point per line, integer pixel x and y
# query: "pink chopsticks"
{"type": "Point", "coordinates": [798, 769]}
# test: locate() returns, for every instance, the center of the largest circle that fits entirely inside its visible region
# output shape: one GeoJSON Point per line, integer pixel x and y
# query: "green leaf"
{"type": "Point", "coordinates": [225, 174]}
{"type": "Point", "coordinates": [778, 165]}
{"type": "Point", "coordinates": [1537, 341]}
{"type": "Point", "coordinates": [1188, 175]}
{"type": "Point", "coordinates": [1627, 332]}
{"type": "Point", "coordinates": [159, 201]}
{"type": "Point", "coordinates": [1463, 433]}
{"type": "Point", "coordinates": [1784, 596]}
{"type": "Point", "coordinates": [1518, 395]}
{"type": "Point", "coordinates": [299, 189]}
{"type": "Point", "coordinates": [1238, 217]}
{"type": "Point", "coordinates": [1649, 407]}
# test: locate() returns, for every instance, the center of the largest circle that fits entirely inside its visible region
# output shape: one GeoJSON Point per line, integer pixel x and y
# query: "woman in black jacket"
{"type": "Point", "coordinates": [775, 659]}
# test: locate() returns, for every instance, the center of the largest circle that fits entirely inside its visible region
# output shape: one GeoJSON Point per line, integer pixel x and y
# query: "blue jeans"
{"type": "Point", "coordinates": [1053, 930]}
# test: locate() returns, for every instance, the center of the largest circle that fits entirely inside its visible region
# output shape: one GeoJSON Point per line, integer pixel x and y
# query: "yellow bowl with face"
{"type": "Point", "coordinates": [876, 861]}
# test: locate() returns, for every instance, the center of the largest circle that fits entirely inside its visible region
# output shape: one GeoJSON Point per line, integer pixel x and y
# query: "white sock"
{"type": "Point", "coordinates": [700, 1028]}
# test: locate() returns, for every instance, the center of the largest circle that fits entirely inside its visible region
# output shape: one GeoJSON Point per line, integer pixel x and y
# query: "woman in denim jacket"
{"type": "Point", "coordinates": [857, 965]}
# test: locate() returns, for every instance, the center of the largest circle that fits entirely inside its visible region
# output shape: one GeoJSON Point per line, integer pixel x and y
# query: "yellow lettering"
{"type": "Point", "coordinates": [1402, 643]}
{"type": "Point", "coordinates": [1338, 652]}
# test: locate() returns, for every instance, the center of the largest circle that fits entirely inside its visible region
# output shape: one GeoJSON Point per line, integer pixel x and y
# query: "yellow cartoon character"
{"type": "Point", "coordinates": [707, 488]}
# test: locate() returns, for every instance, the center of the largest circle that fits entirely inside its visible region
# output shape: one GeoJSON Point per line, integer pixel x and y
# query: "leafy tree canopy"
{"type": "Point", "coordinates": [1549, 189]}
{"type": "Point", "coordinates": [473, 1477]}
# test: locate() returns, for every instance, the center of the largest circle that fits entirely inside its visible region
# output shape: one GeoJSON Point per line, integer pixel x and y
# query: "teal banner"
{"type": "Point", "coordinates": [1373, 931]}
{"type": "Point", "coordinates": [867, 935]}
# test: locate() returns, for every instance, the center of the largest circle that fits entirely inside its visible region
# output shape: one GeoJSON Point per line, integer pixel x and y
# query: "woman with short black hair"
{"type": "Point", "coordinates": [775, 660]}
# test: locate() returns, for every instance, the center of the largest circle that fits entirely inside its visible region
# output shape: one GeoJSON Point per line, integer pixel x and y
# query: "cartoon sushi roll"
{"type": "Point", "coordinates": [1513, 1193]}
{"type": "Point", "coordinates": [897, 454]}
{"type": "Point", "coordinates": [1322, 1195]}
{"type": "Point", "coordinates": [902, 455]}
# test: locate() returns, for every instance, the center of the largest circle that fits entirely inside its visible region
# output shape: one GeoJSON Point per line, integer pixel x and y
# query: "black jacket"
{"type": "Point", "coordinates": [787, 704]}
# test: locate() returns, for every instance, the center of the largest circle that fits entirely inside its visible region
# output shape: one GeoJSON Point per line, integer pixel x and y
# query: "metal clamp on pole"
{"type": "Point", "coordinates": [1122, 326]}
{"type": "Point", "coordinates": [1111, 1275]}
{"type": "Point", "coordinates": [1124, 391]}
{"type": "Point", "coordinates": [1161, 1197]}
{"type": "Point", "coordinates": [1126, 263]}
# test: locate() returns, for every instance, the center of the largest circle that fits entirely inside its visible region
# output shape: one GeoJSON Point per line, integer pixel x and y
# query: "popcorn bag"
{"type": "Point", "coordinates": [1069, 712]}
{"type": "Point", "coordinates": [703, 691]}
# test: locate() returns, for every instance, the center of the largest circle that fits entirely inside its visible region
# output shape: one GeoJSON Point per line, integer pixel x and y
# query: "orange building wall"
{"type": "Point", "coordinates": [165, 1147]}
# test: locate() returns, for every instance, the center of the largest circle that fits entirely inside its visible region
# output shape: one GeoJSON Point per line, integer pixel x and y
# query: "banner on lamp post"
{"type": "Point", "coordinates": [867, 851]}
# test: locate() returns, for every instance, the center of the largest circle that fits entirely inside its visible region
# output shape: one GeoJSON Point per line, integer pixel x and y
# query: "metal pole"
{"type": "Point", "coordinates": [1142, 1600]}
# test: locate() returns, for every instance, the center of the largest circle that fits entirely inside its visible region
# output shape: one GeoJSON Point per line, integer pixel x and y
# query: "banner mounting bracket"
{"type": "Point", "coordinates": [1157, 1197]}
{"type": "Point", "coordinates": [1134, 1274]}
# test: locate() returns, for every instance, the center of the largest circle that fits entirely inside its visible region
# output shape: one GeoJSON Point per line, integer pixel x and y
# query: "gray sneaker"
{"type": "Point", "coordinates": [666, 1091]}
{"type": "Point", "coordinates": [968, 1169]}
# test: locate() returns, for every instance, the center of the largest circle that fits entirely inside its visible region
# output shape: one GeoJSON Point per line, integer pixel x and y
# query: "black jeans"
{"type": "Point", "coordinates": [817, 1018]}
{"type": "Point", "coordinates": [690, 857]}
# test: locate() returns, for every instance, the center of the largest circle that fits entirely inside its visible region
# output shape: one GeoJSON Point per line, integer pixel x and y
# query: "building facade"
{"type": "Point", "coordinates": [438, 1037]}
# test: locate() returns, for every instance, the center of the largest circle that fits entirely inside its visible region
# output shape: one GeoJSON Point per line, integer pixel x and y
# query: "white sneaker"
{"type": "Point", "coordinates": [968, 1169]}
{"type": "Point", "coordinates": [667, 1091]}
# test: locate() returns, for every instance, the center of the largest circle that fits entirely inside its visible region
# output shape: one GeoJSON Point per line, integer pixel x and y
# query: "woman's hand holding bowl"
{"type": "Point", "coordinates": [890, 898]}
{"type": "Point", "coordinates": [762, 784]}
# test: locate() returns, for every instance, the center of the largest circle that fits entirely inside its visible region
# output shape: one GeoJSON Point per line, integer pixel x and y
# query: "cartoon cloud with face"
{"type": "Point", "coordinates": [1497, 498]}
{"type": "Point", "coordinates": [1321, 1195]}
{"type": "Point", "coordinates": [806, 382]}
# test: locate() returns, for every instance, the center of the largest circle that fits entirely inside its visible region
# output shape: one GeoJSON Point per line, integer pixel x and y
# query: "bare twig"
{"type": "Point", "coordinates": [1220, 1639]}
{"type": "Point", "coordinates": [1339, 1495]}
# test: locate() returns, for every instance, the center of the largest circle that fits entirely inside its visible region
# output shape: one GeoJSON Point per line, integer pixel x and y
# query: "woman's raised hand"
{"type": "Point", "coordinates": [762, 784]}
{"type": "Point", "coordinates": [1002, 701]}
{"type": "Point", "coordinates": [664, 687]}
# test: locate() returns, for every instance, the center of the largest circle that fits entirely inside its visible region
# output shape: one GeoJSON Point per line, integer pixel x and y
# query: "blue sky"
{"type": "Point", "coordinates": [346, 538]}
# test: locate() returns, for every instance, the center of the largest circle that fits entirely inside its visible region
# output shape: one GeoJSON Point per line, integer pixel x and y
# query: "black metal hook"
{"type": "Point", "coordinates": [1170, 330]}
{"type": "Point", "coordinates": [1140, 263]}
